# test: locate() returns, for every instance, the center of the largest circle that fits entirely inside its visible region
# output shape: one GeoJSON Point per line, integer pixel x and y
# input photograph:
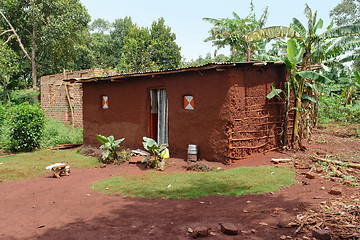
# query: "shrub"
{"type": "Point", "coordinates": [56, 133]}
{"type": "Point", "coordinates": [2, 114]}
{"type": "Point", "coordinates": [24, 95]}
{"type": "Point", "coordinates": [23, 128]}
{"type": "Point", "coordinates": [332, 108]}
{"type": "Point", "coordinates": [2, 118]}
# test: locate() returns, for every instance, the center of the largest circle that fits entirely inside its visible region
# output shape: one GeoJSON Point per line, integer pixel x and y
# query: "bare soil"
{"type": "Point", "coordinates": [66, 208]}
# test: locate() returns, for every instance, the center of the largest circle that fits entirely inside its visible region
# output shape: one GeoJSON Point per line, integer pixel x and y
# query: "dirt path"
{"type": "Point", "coordinates": [66, 208]}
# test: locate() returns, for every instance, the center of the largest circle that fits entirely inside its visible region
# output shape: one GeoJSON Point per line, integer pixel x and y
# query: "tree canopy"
{"type": "Point", "coordinates": [50, 31]}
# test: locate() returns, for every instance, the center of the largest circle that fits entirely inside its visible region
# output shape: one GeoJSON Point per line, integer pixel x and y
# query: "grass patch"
{"type": "Point", "coordinates": [31, 165]}
{"type": "Point", "coordinates": [238, 181]}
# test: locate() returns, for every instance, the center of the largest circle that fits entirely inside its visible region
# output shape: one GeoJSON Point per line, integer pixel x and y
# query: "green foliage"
{"type": "Point", "coordinates": [168, 57]}
{"type": "Point", "coordinates": [124, 155]}
{"type": "Point", "coordinates": [56, 133]}
{"type": "Point", "coordinates": [2, 119]}
{"type": "Point", "coordinates": [111, 146]}
{"type": "Point", "coordinates": [332, 108]}
{"type": "Point", "coordinates": [274, 92]}
{"type": "Point", "coordinates": [31, 165]}
{"type": "Point", "coordinates": [124, 46]}
{"type": "Point", "coordinates": [231, 32]}
{"type": "Point", "coordinates": [23, 128]}
{"type": "Point", "coordinates": [202, 61]}
{"type": "Point", "coordinates": [8, 68]}
{"type": "Point", "coordinates": [24, 95]}
{"type": "Point", "coordinates": [346, 12]}
{"type": "Point", "coordinates": [238, 181]}
{"type": "Point", "coordinates": [158, 152]}
{"type": "Point", "coordinates": [2, 114]}
{"type": "Point", "coordinates": [56, 39]}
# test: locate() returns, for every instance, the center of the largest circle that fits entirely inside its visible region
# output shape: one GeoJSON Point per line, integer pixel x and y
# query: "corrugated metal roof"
{"type": "Point", "coordinates": [118, 77]}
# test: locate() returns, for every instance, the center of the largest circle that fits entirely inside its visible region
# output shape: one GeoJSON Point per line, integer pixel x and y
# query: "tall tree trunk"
{"type": "Point", "coordinates": [33, 59]}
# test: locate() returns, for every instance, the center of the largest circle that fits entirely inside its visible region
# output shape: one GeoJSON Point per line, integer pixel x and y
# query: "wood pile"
{"type": "Point", "coordinates": [341, 218]}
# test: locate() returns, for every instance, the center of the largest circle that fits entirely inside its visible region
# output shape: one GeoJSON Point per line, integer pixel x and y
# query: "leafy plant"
{"type": "Point", "coordinates": [160, 153]}
{"type": "Point", "coordinates": [23, 128]}
{"type": "Point", "coordinates": [111, 146]}
{"type": "Point", "coordinates": [56, 133]}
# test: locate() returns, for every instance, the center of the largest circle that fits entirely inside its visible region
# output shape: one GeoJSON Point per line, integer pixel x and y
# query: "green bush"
{"type": "Point", "coordinates": [24, 95]}
{"type": "Point", "coordinates": [23, 128]}
{"type": "Point", "coordinates": [2, 114]}
{"type": "Point", "coordinates": [2, 118]}
{"type": "Point", "coordinates": [56, 133]}
{"type": "Point", "coordinates": [332, 108]}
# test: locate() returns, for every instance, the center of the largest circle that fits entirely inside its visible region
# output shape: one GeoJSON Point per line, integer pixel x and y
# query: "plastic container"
{"type": "Point", "coordinates": [193, 149]}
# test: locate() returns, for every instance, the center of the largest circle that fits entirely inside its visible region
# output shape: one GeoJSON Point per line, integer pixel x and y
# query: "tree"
{"type": "Point", "coordinates": [136, 52]}
{"type": "Point", "coordinates": [345, 13]}
{"type": "Point", "coordinates": [100, 25]}
{"type": "Point", "coordinates": [165, 53]}
{"type": "Point", "coordinates": [202, 61]}
{"type": "Point", "coordinates": [8, 67]}
{"type": "Point", "coordinates": [50, 30]}
{"type": "Point", "coordinates": [231, 32]}
{"type": "Point", "coordinates": [301, 61]}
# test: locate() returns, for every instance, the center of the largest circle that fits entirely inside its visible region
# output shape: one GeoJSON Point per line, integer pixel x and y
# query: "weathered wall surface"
{"type": "Point", "coordinates": [55, 93]}
{"type": "Point", "coordinates": [219, 96]}
{"type": "Point", "coordinates": [256, 122]}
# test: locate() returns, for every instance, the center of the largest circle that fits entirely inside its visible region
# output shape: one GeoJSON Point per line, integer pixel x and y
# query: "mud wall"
{"type": "Point", "coordinates": [256, 122]}
{"type": "Point", "coordinates": [218, 98]}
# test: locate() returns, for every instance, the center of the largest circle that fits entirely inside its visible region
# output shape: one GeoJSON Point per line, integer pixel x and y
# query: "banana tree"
{"type": "Point", "coordinates": [300, 51]}
{"type": "Point", "coordinates": [111, 146]}
{"type": "Point", "coordinates": [231, 32]}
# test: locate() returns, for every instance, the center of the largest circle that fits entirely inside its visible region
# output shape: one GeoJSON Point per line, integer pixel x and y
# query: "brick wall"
{"type": "Point", "coordinates": [55, 95]}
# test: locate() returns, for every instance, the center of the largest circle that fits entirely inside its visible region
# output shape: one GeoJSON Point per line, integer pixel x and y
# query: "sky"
{"type": "Point", "coordinates": [185, 16]}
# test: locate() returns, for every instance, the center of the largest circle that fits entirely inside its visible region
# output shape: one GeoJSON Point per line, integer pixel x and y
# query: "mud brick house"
{"type": "Point", "coordinates": [63, 100]}
{"type": "Point", "coordinates": [221, 107]}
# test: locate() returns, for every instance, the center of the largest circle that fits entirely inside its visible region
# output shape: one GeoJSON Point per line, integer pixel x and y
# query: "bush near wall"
{"type": "Point", "coordinates": [24, 95]}
{"type": "Point", "coordinates": [23, 128]}
{"type": "Point", "coordinates": [56, 132]}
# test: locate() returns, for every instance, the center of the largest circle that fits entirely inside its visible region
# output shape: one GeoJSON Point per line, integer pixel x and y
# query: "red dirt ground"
{"type": "Point", "coordinates": [65, 208]}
